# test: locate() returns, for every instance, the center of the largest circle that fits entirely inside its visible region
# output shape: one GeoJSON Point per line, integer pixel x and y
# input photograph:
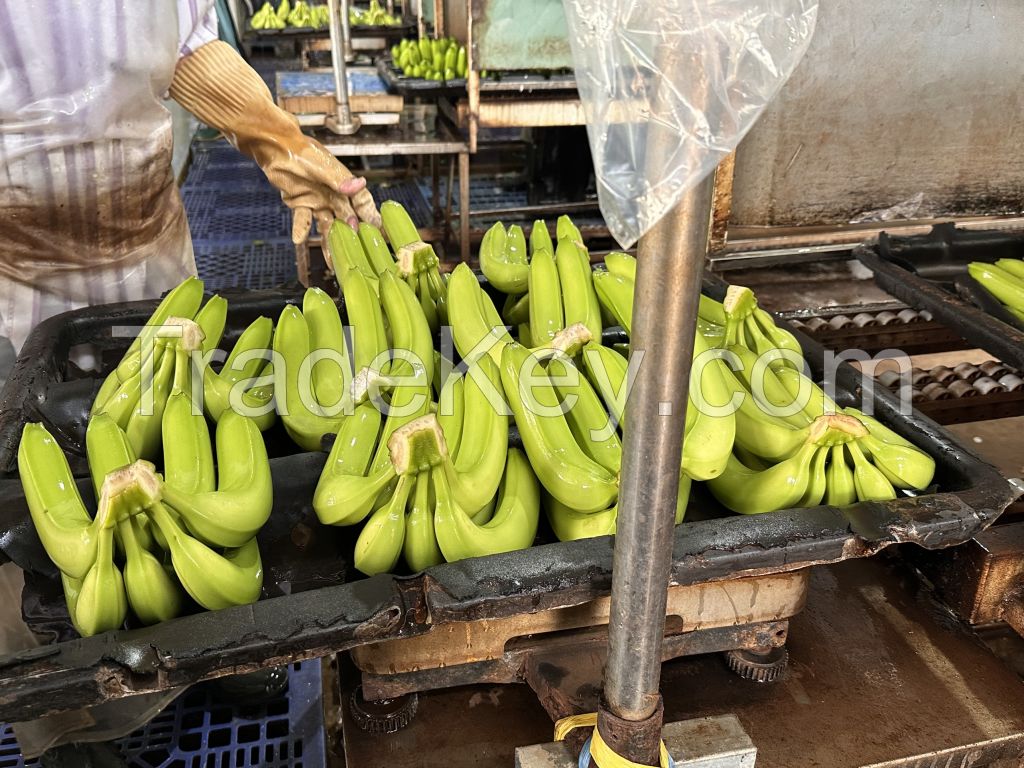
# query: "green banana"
{"type": "Point", "coordinates": [751, 492]}
{"type": "Point", "coordinates": [1014, 266]}
{"type": "Point", "coordinates": [213, 580]}
{"type": "Point", "coordinates": [564, 470]}
{"type": "Point", "coordinates": [475, 471]}
{"type": "Point", "coordinates": [331, 375]}
{"type": "Point", "coordinates": [621, 264]}
{"type": "Point", "coordinates": [472, 331]}
{"type": "Point", "coordinates": [376, 249]}
{"type": "Point", "coordinates": [904, 467]}
{"type": "Point", "coordinates": [410, 332]}
{"type": "Point", "coordinates": [513, 526]}
{"type": "Point", "coordinates": [420, 548]}
{"type": "Point", "coordinates": [152, 594]}
{"type": "Point", "coordinates": [398, 226]}
{"type": "Point", "coordinates": [708, 440]}
{"type": "Point", "coordinates": [540, 238]}
{"type": "Point", "coordinates": [235, 512]}
{"type": "Point", "coordinates": [869, 481]}
{"type": "Point", "coordinates": [241, 369]}
{"type": "Point", "coordinates": [575, 279]}
{"type": "Point", "coordinates": [451, 409]}
{"type": "Point", "coordinates": [182, 301]}
{"type": "Point", "coordinates": [101, 604]}
{"type": "Point", "coordinates": [516, 310]}
{"type": "Point", "coordinates": [769, 391]}
{"type": "Point", "coordinates": [291, 343]}
{"type": "Point", "coordinates": [503, 258]}
{"type": "Point", "coordinates": [616, 295]}
{"type": "Point", "coordinates": [427, 304]}
{"type": "Point", "coordinates": [759, 432]}
{"type": "Point", "coordinates": [188, 455]}
{"type": "Point", "coordinates": [566, 230]}
{"type": "Point", "coordinates": [840, 490]}
{"type": "Point", "coordinates": [346, 251]}
{"type": "Point", "coordinates": [818, 482]}
{"type": "Point", "coordinates": [546, 317]}
{"type": "Point", "coordinates": [369, 342]}
{"type": "Point", "coordinates": [380, 542]}
{"type": "Point", "coordinates": [211, 319]}
{"type": "Point", "coordinates": [1004, 285]}
{"type": "Point", "coordinates": [608, 371]}
{"type": "Point", "coordinates": [344, 495]}
{"type": "Point", "coordinates": [59, 516]}
{"type": "Point", "coordinates": [143, 427]}
{"type": "Point", "coordinates": [589, 421]}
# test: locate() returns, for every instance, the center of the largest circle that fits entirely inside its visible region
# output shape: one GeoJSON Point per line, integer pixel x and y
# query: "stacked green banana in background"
{"type": "Point", "coordinates": [1004, 280]}
{"type": "Point", "coordinates": [190, 531]}
{"type": "Point", "coordinates": [374, 16]}
{"type": "Point", "coordinates": [433, 59]}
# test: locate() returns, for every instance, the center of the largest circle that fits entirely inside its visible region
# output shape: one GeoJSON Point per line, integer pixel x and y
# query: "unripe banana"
{"type": "Point", "coordinates": [503, 258]}
{"type": "Point", "coordinates": [59, 516]}
{"type": "Point", "coordinates": [607, 370]}
{"type": "Point", "coordinates": [761, 433]}
{"type": "Point", "coordinates": [188, 454]}
{"type": "Point", "coordinates": [593, 429]}
{"type": "Point", "coordinates": [565, 229]}
{"type": "Point", "coordinates": [818, 481]}
{"type": "Point", "coordinates": [579, 299]}
{"type": "Point", "coordinates": [565, 471]}
{"type": "Point", "coordinates": [344, 495]}
{"type": "Point", "coordinates": [213, 580]}
{"type": "Point", "coordinates": [902, 466]}
{"type": "Point", "coordinates": [291, 342]}
{"type": "Point", "coordinates": [365, 320]}
{"type": "Point", "coordinates": [540, 238]}
{"type": "Point", "coordinates": [513, 526]}
{"type": "Point", "coordinates": [839, 479]}
{"type": "Point", "coordinates": [152, 594]}
{"type": "Point", "coordinates": [1014, 266]}
{"type": "Point", "coordinates": [182, 301]}
{"type": "Point", "coordinates": [427, 305]}
{"type": "Point", "coordinates": [409, 329]}
{"type": "Point", "coordinates": [331, 375]}
{"type": "Point", "coordinates": [546, 317]}
{"type": "Point", "coordinates": [243, 373]}
{"type": "Point", "coordinates": [451, 409]}
{"type": "Point", "coordinates": [868, 480]}
{"type": "Point", "coordinates": [101, 604]}
{"type": "Point", "coordinates": [380, 542]}
{"type": "Point", "coordinates": [472, 333]}
{"type": "Point", "coordinates": [615, 293]}
{"type": "Point", "coordinates": [763, 382]}
{"type": "Point", "coordinates": [143, 427]}
{"type": "Point", "coordinates": [346, 252]}
{"type": "Point", "coordinates": [476, 469]}
{"type": "Point", "coordinates": [708, 441]}
{"type": "Point", "coordinates": [420, 546]}
{"type": "Point", "coordinates": [517, 309]}
{"type": "Point", "coordinates": [798, 385]}
{"type": "Point", "coordinates": [211, 319]}
{"type": "Point", "coordinates": [398, 226]}
{"type": "Point", "coordinates": [235, 512]}
{"type": "Point", "coordinates": [376, 249]}
{"type": "Point", "coordinates": [408, 403]}
{"type": "Point", "coordinates": [752, 492]}
{"type": "Point", "coordinates": [621, 264]}
{"type": "Point", "coordinates": [1005, 286]}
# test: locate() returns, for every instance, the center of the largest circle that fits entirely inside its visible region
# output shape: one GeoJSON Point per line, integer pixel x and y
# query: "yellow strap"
{"type": "Point", "coordinates": [603, 755]}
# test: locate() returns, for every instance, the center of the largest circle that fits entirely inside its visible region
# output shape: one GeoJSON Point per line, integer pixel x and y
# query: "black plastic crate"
{"type": "Point", "coordinates": [314, 603]}
{"type": "Point", "coordinates": [930, 272]}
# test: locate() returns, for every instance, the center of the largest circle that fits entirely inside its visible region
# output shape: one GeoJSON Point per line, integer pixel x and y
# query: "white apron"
{"type": "Point", "coordinates": [89, 209]}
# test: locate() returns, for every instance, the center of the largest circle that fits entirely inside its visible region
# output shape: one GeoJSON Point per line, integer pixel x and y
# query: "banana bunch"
{"type": "Point", "coordinates": [440, 59]}
{"type": "Point", "coordinates": [300, 15]}
{"type": "Point", "coordinates": [374, 16]}
{"type": "Point", "coordinates": [550, 290]}
{"type": "Point", "coordinates": [320, 16]}
{"type": "Point", "coordinates": [794, 447]}
{"type": "Point", "coordinates": [191, 531]}
{"type": "Point", "coordinates": [135, 394]}
{"type": "Point", "coordinates": [267, 18]}
{"type": "Point", "coordinates": [1004, 280]}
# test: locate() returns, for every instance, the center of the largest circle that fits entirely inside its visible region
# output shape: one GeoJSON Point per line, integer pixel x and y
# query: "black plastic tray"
{"type": "Point", "coordinates": [930, 272]}
{"type": "Point", "coordinates": [342, 610]}
{"type": "Point", "coordinates": [416, 86]}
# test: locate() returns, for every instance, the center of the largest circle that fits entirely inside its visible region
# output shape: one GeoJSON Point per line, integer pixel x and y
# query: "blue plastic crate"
{"type": "Point", "coordinates": [199, 730]}
{"type": "Point", "coordinates": [484, 192]}
{"type": "Point", "coordinates": [409, 194]}
{"type": "Point", "coordinates": [253, 265]}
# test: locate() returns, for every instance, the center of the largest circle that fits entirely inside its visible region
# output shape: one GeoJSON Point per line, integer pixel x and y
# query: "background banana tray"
{"type": "Point", "coordinates": [313, 601]}
{"type": "Point", "coordinates": [930, 272]}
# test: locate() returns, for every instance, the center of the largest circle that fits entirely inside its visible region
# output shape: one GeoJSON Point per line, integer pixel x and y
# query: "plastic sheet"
{"type": "Point", "coordinates": [670, 87]}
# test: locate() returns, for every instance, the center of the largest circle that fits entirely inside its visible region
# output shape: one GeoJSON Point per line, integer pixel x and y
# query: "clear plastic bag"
{"type": "Point", "coordinates": [670, 87]}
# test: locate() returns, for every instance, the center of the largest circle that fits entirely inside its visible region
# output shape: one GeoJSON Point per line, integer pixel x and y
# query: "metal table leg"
{"type": "Point", "coordinates": [464, 205]}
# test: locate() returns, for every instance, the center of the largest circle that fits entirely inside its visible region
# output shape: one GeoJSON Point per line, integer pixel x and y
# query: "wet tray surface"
{"type": "Point", "coordinates": [930, 272]}
{"type": "Point", "coordinates": [314, 603]}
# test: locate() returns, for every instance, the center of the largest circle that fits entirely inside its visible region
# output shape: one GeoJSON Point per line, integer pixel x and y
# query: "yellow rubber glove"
{"type": "Point", "coordinates": [216, 85]}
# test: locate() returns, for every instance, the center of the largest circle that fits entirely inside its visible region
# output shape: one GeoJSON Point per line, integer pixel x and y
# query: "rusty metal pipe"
{"type": "Point", "coordinates": [669, 269]}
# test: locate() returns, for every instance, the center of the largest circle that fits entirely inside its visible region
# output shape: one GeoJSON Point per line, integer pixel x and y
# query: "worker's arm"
{"type": "Point", "coordinates": [216, 85]}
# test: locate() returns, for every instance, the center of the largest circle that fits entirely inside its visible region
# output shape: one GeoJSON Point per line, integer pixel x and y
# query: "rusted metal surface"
{"type": "Point", "coordinates": [977, 326]}
{"type": "Point", "coordinates": [520, 34]}
{"type": "Point", "coordinates": [636, 740]}
{"type": "Point", "coordinates": [721, 209]}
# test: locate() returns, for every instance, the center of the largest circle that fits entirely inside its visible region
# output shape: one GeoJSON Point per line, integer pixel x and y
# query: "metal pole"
{"type": "Point", "coordinates": [342, 122]}
{"type": "Point", "coordinates": [670, 264]}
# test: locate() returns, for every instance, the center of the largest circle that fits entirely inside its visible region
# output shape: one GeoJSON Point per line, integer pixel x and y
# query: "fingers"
{"type": "Point", "coordinates": [302, 220]}
{"type": "Point", "coordinates": [323, 167]}
{"type": "Point", "coordinates": [351, 187]}
{"type": "Point", "coordinates": [324, 220]}
{"type": "Point", "coordinates": [365, 208]}
{"type": "Point", "coordinates": [343, 210]}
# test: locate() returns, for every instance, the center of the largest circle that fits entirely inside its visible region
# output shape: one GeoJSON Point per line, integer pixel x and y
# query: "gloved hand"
{"type": "Point", "coordinates": [216, 85]}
